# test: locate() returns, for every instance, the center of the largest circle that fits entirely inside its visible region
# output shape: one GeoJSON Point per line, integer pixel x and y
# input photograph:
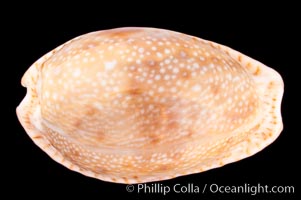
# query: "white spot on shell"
{"type": "Point", "coordinates": [110, 65]}
{"type": "Point", "coordinates": [167, 51]}
{"type": "Point", "coordinates": [175, 70]}
{"type": "Point", "coordinates": [76, 73]}
{"type": "Point", "coordinates": [161, 89]}
{"type": "Point", "coordinates": [157, 77]}
{"type": "Point", "coordinates": [183, 54]}
{"type": "Point", "coordinates": [154, 48]}
{"type": "Point", "coordinates": [141, 50]}
{"type": "Point", "coordinates": [196, 88]}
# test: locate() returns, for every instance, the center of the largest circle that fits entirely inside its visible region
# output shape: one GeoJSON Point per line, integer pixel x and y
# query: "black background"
{"type": "Point", "coordinates": [269, 37]}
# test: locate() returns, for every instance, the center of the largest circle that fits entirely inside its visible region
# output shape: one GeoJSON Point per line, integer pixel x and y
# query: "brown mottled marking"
{"type": "Point", "coordinates": [133, 91]}
{"type": "Point", "coordinates": [75, 153]}
{"type": "Point", "coordinates": [215, 89]}
{"type": "Point", "coordinates": [155, 139]}
{"type": "Point", "coordinates": [164, 167]}
{"type": "Point", "coordinates": [46, 146]}
{"type": "Point", "coordinates": [100, 135]}
{"type": "Point", "coordinates": [37, 137]}
{"type": "Point", "coordinates": [77, 123]}
{"type": "Point", "coordinates": [264, 136]}
{"type": "Point", "coordinates": [102, 170]}
{"type": "Point", "coordinates": [125, 179]}
{"type": "Point", "coordinates": [212, 45]}
{"type": "Point", "coordinates": [248, 152]}
{"type": "Point", "coordinates": [228, 53]}
{"type": "Point", "coordinates": [91, 111]}
{"type": "Point", "coordinates": [121, 33]}
{"type": "Point", "coordinates": [248, 66]}
{"type": "Point", "coordinates": [257, 72]}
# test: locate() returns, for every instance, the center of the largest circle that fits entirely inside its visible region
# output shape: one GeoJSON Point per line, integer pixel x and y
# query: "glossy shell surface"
{"type": "Point", "coordinates": [131, 105]}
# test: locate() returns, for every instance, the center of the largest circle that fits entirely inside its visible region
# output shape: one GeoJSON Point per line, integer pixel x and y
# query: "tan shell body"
{"type": "Point", "coordinates": [132, 105]}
